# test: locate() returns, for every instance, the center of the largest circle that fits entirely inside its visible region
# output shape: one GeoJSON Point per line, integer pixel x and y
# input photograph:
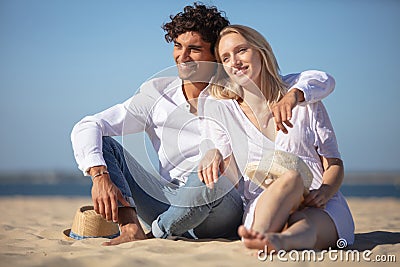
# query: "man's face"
{"type": "Point", "coordinates": [190, 53]}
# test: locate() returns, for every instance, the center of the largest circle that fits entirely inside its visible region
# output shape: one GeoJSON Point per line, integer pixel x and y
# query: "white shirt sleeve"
{"type": "Point", "coordinates": [325, 138]}
{"type": "Point", "coordinates": [121, 119]}
{"type": "Point", "coordinates": [213, 129]}
{"type": "Point", "coordinates": [316, 85]}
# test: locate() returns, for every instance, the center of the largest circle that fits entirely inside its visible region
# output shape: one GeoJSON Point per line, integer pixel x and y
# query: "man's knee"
{"type": "Point", "coordinates": [196, 192]}
{"type": "Point", "coordinates": [111, 145]}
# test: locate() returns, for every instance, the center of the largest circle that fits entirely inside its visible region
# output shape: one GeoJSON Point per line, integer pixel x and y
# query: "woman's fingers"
{"type": "Point", "coordinates": [215, 169]}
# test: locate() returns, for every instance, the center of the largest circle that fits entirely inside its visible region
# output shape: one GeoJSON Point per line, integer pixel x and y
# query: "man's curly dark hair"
{"type": "Point", "coordinates": [207, 21]}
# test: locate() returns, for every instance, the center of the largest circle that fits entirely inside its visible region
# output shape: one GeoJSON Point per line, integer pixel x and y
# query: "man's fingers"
{"type": "Point", "coordinates": [107, 210]}
{"type": "Point", "coordinates": [281, 127]}
{"type": "Point", "coordinates": [283, 114]}
{"type": "Point", "coordinates": [288, 117]}
{"type": "Point", "coordinates": [289, 124]}
{"type": "Point", "coordinates": [101, 209]}
{"type": "Point", "coordinates": [277, 113]}
{"type": "Point", "coordinates": [114, 209]}
{"type": "Point", "coordinates": [288, 113]}
{"type": "Point", "coordinates": [96, 206]}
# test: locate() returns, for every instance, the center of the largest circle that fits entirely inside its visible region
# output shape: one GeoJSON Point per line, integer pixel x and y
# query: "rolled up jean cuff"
{"type": "Point", "coordinates": [156, 230]}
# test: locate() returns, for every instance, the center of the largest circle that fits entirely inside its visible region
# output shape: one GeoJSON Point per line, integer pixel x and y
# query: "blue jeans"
{"type": "Point", "coordinates": [174, 210]}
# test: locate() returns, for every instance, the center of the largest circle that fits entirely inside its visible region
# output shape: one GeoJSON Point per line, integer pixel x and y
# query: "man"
{"type": "Point", "coordinates": [177, 202]}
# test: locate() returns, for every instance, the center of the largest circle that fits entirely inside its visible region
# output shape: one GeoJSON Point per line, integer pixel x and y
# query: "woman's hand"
{"type": "Point", "coordinates": [319, 197]}
{"type": "Point", "coordinates": [210, 166]}
{"type": "Point", "coordinates": [332, 179]}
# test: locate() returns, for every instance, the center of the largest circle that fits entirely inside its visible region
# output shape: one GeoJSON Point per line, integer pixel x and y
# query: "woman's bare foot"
{"type": "Point", "coordinates": [255, 240]}
{"type": "Point", "coordinates": [130, 228]}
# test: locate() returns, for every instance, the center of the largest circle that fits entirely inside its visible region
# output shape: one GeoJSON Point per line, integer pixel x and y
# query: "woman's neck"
{"type": "Point", "coordinates": [254, 99]}
{"type": "Point", "coordinates": [255, 106]}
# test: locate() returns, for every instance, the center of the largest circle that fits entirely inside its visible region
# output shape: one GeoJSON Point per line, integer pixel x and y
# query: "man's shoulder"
{"type": "Point", "coordinates": [160, 85]}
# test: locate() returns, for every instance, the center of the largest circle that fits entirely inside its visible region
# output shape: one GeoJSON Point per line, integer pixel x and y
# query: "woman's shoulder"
{"type": "Point", "coordinates": [212, 102]}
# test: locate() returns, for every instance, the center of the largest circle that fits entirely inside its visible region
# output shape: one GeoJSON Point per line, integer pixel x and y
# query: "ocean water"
{"type": "Point", "coordinates": [75, 185]}
{"type": "Point", "coordinates": [79, 190]}
{"type": "Point", "coordinates": [72, 189]}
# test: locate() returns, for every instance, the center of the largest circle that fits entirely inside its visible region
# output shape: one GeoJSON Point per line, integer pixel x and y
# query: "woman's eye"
{"type": "Point", "coordinates": [225, 59]}
{"type": "Point", "coordinates": [242, 49]}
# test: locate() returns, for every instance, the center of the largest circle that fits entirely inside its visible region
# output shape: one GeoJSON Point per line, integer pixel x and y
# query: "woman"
{"type": "Point", "coordinates": [240, 121]}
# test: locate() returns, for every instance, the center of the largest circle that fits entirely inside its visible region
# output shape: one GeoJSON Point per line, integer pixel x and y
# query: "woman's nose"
{"type": "Point", "coordinates": [235, 61]}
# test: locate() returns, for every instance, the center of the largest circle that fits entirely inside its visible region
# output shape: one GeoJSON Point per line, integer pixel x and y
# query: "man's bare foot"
{"type": "Point", "coordinates": [255, 240]}
{"type": "Point", "coordinates": [130, 228]}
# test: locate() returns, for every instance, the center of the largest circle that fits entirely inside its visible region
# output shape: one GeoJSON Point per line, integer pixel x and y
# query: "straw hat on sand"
{"type": "Point", "coordinates": [88, 224]}
{"type": "Point", "coordinates": [273, 165]}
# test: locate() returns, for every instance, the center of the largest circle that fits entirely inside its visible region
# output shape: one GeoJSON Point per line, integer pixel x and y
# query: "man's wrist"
{"type": "Point", "coordinates": [299, 94]}
{"type": "Point", "coordinates": [98, 171]}
{"type": "Point", "coordinates": [99, 174]}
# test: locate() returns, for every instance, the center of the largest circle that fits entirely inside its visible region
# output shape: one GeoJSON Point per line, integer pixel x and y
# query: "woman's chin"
{"type": "Point", "coordinates": [243, 81]}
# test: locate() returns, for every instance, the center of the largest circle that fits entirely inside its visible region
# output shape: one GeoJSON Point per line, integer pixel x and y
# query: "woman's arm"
{"type": "Point", "coordinates": [332, 180]}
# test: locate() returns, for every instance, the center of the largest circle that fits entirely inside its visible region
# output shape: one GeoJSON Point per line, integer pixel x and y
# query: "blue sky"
{"type": "Point", "coordinates": [63, 60]}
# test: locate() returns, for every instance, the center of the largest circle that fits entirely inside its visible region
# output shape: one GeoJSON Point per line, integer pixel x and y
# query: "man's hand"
{"type": "Point", "coordinates": [210, 166]}
{"type": "Point", "coordinates": [282, 111]}
{"type": "Point", "coordinates": [105, 196]}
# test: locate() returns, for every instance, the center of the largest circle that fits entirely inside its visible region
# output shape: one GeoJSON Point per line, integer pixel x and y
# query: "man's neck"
{"type": "Point", "coordinates": [193, 90]}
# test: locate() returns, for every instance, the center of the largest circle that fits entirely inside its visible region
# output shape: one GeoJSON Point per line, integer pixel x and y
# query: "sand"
{"type": "Point", "coordinates": [31, 235]}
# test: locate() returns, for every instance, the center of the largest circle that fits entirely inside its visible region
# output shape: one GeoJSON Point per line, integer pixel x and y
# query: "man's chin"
{"type": "Point", "coordinates": [186, 75]}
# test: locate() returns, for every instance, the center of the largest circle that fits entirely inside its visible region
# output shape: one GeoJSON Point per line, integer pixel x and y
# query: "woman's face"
{"type": "Point", "coordinates": [241, 61]}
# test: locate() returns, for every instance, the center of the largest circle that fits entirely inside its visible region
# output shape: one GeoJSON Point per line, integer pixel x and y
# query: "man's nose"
{"type": "Point", "coordinates": [185, 56]}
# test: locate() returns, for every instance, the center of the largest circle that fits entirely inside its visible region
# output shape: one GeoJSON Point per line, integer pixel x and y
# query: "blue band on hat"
{"type": "Point", "coordinates": [80, 237]}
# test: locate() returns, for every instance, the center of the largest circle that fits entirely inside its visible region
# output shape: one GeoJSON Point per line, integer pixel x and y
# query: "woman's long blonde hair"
{"type": "Point", "coordinates": [272, 86]}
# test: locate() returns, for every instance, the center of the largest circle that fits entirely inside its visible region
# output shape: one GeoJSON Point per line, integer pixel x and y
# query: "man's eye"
{"type": "Point", "coordinates": [225, 59]}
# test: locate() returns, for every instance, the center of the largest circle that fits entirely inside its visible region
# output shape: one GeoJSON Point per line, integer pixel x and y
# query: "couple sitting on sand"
{"type": "Point", "coordinates": [270, 185]}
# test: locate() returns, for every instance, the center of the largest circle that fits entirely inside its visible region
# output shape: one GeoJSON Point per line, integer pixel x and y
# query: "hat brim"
{"type": "Point", "coordinates": [66, 233]}
{"type": "Point", "coordinates": [67, 236]}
